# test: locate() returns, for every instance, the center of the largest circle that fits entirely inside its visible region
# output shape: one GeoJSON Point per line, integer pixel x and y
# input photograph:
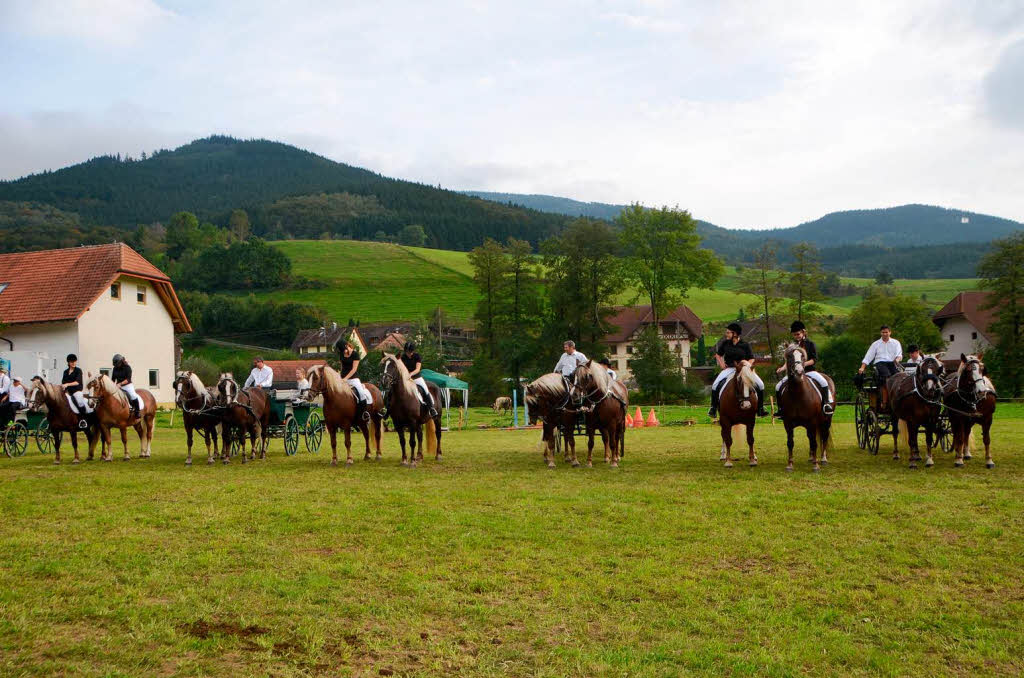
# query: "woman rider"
{"type": "Point", "coordinates": [349, 368]}
{"type": "Point", "coordinates": [799, 332]}
{"type": "Point", "coordinates": [412, 361]}
{"type": "Point", "coordinates": [732, 354]}
{"type": "Point", "coordinates": [71, 381]}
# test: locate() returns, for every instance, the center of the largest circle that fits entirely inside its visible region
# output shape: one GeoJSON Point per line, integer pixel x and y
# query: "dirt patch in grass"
{"type": "Point", "coordinates": [204, 629]}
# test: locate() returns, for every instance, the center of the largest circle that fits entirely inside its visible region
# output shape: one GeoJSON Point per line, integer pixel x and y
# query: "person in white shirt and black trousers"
{"type": "Point", "coordinates": [261, 375]}
{"type": "Point", "coordinates": [884, 353]}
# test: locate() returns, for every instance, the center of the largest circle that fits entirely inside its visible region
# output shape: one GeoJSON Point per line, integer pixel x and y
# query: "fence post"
{"type": "Point", "coordinates": [515, 408]}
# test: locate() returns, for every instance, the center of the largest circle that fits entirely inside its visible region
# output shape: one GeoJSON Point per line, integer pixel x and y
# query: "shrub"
{"type": "Point", "coordinates": [205, 370]}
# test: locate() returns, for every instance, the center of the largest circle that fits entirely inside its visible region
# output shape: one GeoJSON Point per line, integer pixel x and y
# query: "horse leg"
{"type": "Point", "coordinates": [415, 444]}
{"type": "Point", "coordinates": [915, 451]}
{"type": "Point", "coordinates": [969, 425]}
{"type": "Point", "coordinates": [789, 446]}
{"type": "Point", "coordinates": [74, 446]}
{"type": "Point", "coordinates": [225, 444]}
{"type": "Point", "coordinates": [812, 441]}
{"type": "Point", "coordinates": [348, 446]}
{"type": "Point", "coordinates": [107, 452]}
{"type": "Point", "coordinates": [378, 425]}
{"type": "Point", "coordinates": [751, 455]}
{"type": "Point", "coordinates": [124, 442]}
{"type": "Point", "coordinates": [364, 428]}
{"type": "Point", "coordinates": [895, 437]}
{"type": "Point", "coordinates": [401, 443]}
{"type": "Point", "coordinates": [333, 432]}
{"type": "Point", "coordinates": [987, 439]}
{"type": "Point", "coordinates": [961, 432]}
{"type": "Point", "coordinates": [140, 428]}
{"type": "Point", "coordinates": [264, 436]}
{"type": "Point", "coordinates": [437, 433]}
{"type": "Point", "coordinates": [419, 443]}
{"type": "Point", "coordinates": [56, 447]}
{"type": "Point", "coordinates": [188, 444]}
{"type": "Point", "coordinates": [727, 442]}
{"type": "Point", "coordinates": [609, 449]}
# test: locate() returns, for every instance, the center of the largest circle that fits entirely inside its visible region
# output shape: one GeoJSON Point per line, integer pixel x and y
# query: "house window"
{"type": "Point", "coordinates": [974, 335]}
{"type": "Point", "coordinates": [951, 337]}
{"type": "Point", "coordinates": [140, 294]}
{"type": "Point", "coordinates": [629, 348]}
{"type": "Point", "coordinates": [105, 370]}
{"type": "Point", "coordinates": [154, 378]}
{"type": "Point", "coordinates": [115, 290]}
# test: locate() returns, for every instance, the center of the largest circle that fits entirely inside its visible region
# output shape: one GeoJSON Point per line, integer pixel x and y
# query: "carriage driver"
{"type": "Point", "coordinates": [883, 353]}
{"type": "Point", "coordinates": [414, 364]}
{"type": "Point", "coordinates": [799, 332]}
{"type": "Point", "coordinates": [570, 360]}
{"type": "Point", "coordinates": [349, 369]}
{"type": "Point", "coordinates": [733, 353]}
{"type": "Point", "coordinates": [71, 381]}
{"type": "Point", "coordinates": [122, 376]}
{"type": "Point", "coordinates": [261, 375]}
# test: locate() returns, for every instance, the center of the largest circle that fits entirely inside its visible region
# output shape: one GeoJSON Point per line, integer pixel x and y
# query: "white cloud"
{"type": "Point", "coordinates": [98, 22]}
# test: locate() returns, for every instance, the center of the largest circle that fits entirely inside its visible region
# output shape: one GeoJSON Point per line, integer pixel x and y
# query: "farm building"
{"type": "Point", "coordinates": [965, 325]}
{"type": "Point", "coordinates": [93, 301]}
{"type": "Point", "coordinates": [322, 341]}
{"type": "Point", "coordinates": [679, 328]}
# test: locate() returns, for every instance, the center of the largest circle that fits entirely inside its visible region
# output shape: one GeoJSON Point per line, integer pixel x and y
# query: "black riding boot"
{"type": "Point", "coordinates": [713, 410]}
{"type": "Point", "coordinates": [761, 412]}
{"type": "Point", "coordinates": [778, 404]}
{"type": "Point", "coordinates": [361, 412]}
{"type": "Point", "coordinates": [826, 406]}
{"type": "Point", "coordinates": [135, 409]}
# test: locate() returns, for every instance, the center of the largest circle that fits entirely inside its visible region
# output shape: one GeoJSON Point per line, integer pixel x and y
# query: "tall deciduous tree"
{"type": "Point", "coordinates": [662, 256]}
{"type": "Point", "coordinates": [522, 313]}
{"type": "Point", "coordinates": [803, 282]}
{"type": "Point", "coordinates": [907, 316]}
{"type": "Point", "coordinates": [762, 279]}
{"type": "Point", "coordinates": [489, 267]}
{"type": "Point", "coordinates": [1002, 275]}
{"type": "Point", "coordinates": [239, 226]}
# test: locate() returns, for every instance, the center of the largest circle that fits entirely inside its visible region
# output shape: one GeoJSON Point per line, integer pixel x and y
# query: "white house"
{"type": "Point", "coordinates": [679, 328]}
{"type": "Point", "coordinates": [94, 302]}
{"type": "Point", "coordinates": [964, 325]}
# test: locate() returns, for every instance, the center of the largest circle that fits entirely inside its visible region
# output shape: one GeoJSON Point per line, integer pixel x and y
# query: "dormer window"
{"type": "Point", "coordinates": [115, 290]}
{"type": "Point", "coordinates": [140, 294]}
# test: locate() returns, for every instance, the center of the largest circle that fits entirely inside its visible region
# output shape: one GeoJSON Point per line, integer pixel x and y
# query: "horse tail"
{"type": "Point", "coordinates": [825, 440]}
{"type": "Point", "coordinates": [970, 441]}
{"type": "Point", "coordinates": [904, 434]}
{"type": "Point", "coordinates": [622, 442]}
{"type": "Point", "coordinates": [431, 436]}
{"type": "Point", "coordinates": [739, 432]}
{"type": "Point", "coordinates": [371, 427]}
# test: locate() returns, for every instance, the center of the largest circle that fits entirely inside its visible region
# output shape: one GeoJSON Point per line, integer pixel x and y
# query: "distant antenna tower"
{"type": "Point", "coordinates": [965, 220]}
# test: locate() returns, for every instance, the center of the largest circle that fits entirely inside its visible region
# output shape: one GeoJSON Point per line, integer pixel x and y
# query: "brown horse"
{"type": "Point", "coordinates": [199, 411]}
{"type": "Point", "coordinates": [915, 401]}
{"type": "Point", "coordinates": [970, 399]}
{"type": "Point", "coordinates": [246, 410]}
{"type": "Point", "coordinates": [606, 400]}
{"type": "Point", "coordinates": [114, 411]}
{"type": "Point", "coordinates": [737, 407]}
{"type": "Point", "coordinates": [60, 417]}
{"type": "Point", "coordinates": [548, 399]}
{"type": "Point", "coordinates": [800, 399]}
{"type": "Point", "coordinates": [340, 410]}
{"type": "Point", "coordinates": [406, 411]}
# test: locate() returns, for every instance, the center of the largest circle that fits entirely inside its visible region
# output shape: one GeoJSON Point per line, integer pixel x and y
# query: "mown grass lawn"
{"type": "Point", "coordinates": [490, 564]}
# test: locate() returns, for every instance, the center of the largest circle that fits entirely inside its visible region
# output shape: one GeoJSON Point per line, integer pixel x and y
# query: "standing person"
{"type": "Point", "coordinates": [799, 333]}
{"type": "Point", "coordinates": [71, 381]}
{"type": "Point", "coordinates": [122, 376]}
{"type": "Point", "coordinates": [11, 402]}
{"type": "Point", "coordinates": [349, 369]}
{"type": "Point", "coordinates": [732, 354]}
{"type": "Point", "coordinates": [883, 353]}
{"type": "Point", "coordinates": [414, 364]}
{"type": "Point", "coordinates": [261, 375]}
{"type": "Point", "coordinates": [570, 360]}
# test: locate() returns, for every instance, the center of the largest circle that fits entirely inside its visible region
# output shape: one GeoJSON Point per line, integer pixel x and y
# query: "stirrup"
{"type": "Point", "coordinates": [83, 423]}
{"type": "Point", "coordinates": [827, 408]}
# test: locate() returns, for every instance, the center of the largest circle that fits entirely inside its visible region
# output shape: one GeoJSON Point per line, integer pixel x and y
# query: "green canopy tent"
{"type": "Point", "coordinates": [447, 384]}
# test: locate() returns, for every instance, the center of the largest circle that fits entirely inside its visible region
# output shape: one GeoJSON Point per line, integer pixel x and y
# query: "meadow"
{"type": "Point", "coordinates": [489, 564]}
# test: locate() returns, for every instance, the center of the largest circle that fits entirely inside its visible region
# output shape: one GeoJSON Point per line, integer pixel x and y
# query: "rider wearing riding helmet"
{"type": "Point", "coordinates": [732, 354]}
{"type": "Point", "coordinates": [608, 365]}
{"type": "Point", "coordinates": [414, 364]}
{"type": "Point", "coordinates": [122, 376]}
{"type": "Point", "coordinates": [349, 370]}
{"type": "Point", "coordinates": [914, 358]}
{"type": "Point", "coordinates": [71, 381]}
{"type": "Point", "coordinates": [799, 332]}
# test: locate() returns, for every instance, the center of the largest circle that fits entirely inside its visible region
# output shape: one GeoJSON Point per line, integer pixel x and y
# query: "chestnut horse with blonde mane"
{"type": "Point", "coordinates": [801, 405]}
{"type": "Point", "coordinates": [340, 410]}
{"type": "Point", "coordinates": [114, 411]}
{"type": "Point", "coordinates": [970, 399]}
{"type": "Point", "coordinates": [60, 417]}
{"type": "Point", "coordinates": [738, 413]}
{"type": "Point", "coordinates": [244, 409]}
{"type": "Point", "coordinates": [606, 399]}
{"type": "Point", "coordinates": [199, 411]}
{"type": "Point", "coordinates": [548, 400]}
{"type": "Point", "coordinates": [406, 411]}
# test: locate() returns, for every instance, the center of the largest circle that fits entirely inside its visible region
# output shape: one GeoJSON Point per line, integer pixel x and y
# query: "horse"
{"type": "Point", "coordinates": [737, 412]}
{"type": "Point", "coordinates": [247, 410]}
{"type": "Point", "coordinates": [970, 399]}
{"type": "Point", "coordinates": [607, 400]}
{"type": "Point", "coordinates": [915, 401]}
{"type": "Point", "coordinates": [406, 411]}
{"type": "Point", "coordinates": [549, 400]}
{"type": "Point", "coordinates": [801, 406]}
{"type": "Point", "coordinates": [60, 417]}
{"type": "Point", "coordinates": [197, 404]}
{"type": "Point", "coordinates": [502, 404]}
{"type": "Point", "coordinates": [340, 410]}
{"type": "Point", "coordinates": [114, 411]}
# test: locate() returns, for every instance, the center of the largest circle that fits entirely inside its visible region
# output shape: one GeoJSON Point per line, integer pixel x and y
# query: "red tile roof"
{"type": "Point", "coordinates": [628, 319]}
{"type": "Point", "coordinates": [284, 370]}
{"type": "Point", "coordinates": [967, 305]}
{"type": "Point", "coordinates": [54, 285]}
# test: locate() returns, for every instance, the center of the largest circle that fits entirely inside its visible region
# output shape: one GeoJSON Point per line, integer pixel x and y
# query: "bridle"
{"type": "Point", "coordinates": [794, 360]}
{"type": "Point", "coordinates": [975, 395]}
{"type": "Point", "coordinates": [182, 401]}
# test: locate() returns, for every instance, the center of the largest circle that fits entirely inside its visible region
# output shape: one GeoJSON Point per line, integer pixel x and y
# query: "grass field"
{"type": "Point", "coordinates": [489, 564]}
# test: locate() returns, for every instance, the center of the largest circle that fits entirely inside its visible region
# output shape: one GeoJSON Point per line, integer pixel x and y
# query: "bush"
{"type": "Point", "coordinates": [203, 368]}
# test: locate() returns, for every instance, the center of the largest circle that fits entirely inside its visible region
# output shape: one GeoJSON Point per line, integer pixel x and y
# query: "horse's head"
{"type": "Point", "coordinates": [971, 380]}
{"type": "Point", "coordinates": [591, 379]}
{"type": "Point", "coordinates": [927, 378]}
{"type": "Point", "coordinates": [795, 357]}
{"type": "Point", "coordinates": [188, 386]}
{"type": "Point", "coordinates": [36, 394]}
{"type": "Point", "coordinates": [93, 385]}
{"type": "Point", "coordinates": [227, 389]}
{"type": "Point", "coordinates": [315, 377]}
{"type": "Point", "coordinates": [389, 375]}
{"type": "Point", "coordinates": [546, 391]}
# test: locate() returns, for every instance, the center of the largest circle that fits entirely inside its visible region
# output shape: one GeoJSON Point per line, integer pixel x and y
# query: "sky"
{"type": "Point", "coordinates": [750, 115]}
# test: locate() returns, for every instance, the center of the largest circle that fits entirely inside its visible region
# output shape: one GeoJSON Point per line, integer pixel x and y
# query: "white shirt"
{"type": "Point", "coordinates": [567, 364]}
{"type": "Point", "coordinates": [5, 384]}
{"type": "Point", "coordinates": [258, 377]}
{"type": "Point", "coordinates": [883, 352]}
{"type": "Point", "coordinates": [302, 384]}
{"type": "Point", "coordinates": [17, 394]}
{"type": "Point", "coordinates": [611, 373]}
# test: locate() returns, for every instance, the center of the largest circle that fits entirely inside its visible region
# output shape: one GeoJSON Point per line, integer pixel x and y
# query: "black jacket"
{"type": "Point", "coordinates": [71, 376]}
{"type": "Point", "coordinates": [122, 372]}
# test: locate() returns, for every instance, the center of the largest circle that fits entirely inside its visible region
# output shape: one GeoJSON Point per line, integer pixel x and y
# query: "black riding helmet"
{"type": "Point", "coordinates": [117, 359]}
{"type": "Point", "coordinates": [410, 346]}
{"type": "Point", "coordinates": [734, 327]}
{"type": "Point", "coordinates": [72, 358]}
{"type": "Point", "coordinates": [605, 362]}
{"type": "Point", "coordinates": [797, 326]}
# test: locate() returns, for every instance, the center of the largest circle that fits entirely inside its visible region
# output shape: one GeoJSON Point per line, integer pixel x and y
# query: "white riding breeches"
{"type": "Point", "coordinates": [728, 372]}
{"type": "Point", "coordinates": [364, 393]}
{"type": "Point", "coordinates": [419, 381]}
{"type": "Point", "coordinates": [815, 376]}
{"type": "Point", "coordinates": [130, 390]}
{"type": "Point", "coordinates": [83, 406]}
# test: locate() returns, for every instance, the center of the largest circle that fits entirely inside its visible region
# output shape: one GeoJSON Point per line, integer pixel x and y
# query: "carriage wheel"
{"type": "Point", "coordinates": [44, 441]}
{"type": "Point", "coordinates": [16, 439]}
{"type": "Point", "coordinates": [315, 432]}
{"type": "Point", "coordinates": [237, 442]}
{"type": "Point", "coordinates": [944, 433]}
{"type": "Point", "coordinates": [872, 431]}
{"type": "Point", "coordinates": [291, 436]}
{"type": "Point", "coordinates": [858, 422]}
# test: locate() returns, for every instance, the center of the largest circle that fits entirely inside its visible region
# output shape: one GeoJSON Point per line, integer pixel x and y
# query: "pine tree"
{"type": "Point", "coordinates": [1002, 275]}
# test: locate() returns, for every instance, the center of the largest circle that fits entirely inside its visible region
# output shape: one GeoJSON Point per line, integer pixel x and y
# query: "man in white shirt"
{"type": "Point", "coordinates": [261, 375]}
{"type": "Point", "coordinates": [5, 383]}
{"type": "Point", "coordinates": [570, 360]}
{"type": "Point", "coordinates": [13, 401]}
{"type": "Point", "coordinates": [884, 353]}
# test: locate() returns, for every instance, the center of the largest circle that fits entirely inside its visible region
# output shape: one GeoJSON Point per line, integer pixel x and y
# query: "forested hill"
{"type": "Point", "coordinates": [286, 191]}
{"type": "Point", "coordinates": [554, 203]}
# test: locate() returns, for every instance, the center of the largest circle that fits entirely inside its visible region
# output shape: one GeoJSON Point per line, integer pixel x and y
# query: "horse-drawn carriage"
{"type": "Point", "coordinates": [871, 422]}
{"type": "Point", "coordinates": [27, 424]}
{"type": "Point", "coordinates": [290, 419]}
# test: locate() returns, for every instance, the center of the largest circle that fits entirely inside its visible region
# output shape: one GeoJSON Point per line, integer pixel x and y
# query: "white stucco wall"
{"type": "Point", "coordinates": [52, 340]}
{"type": "Point", "coordinates": [143, 333]}
{"type": "Point", "coordinates": [962, 341]}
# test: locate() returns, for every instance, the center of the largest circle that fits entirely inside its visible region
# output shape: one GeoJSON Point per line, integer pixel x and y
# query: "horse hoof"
{"type": "Point", "coordinates": [929, 463]}
{"type": "Point", "coordinates": [188, 462]}
{"type": "Point", "coordinates": [126, 458]}
{"type": "Point", "coordinates": [405, 463]}
{"type": "Point", "coordinates": [753, 463]}
{"type": "Point", "coordinates": [990, 464]}
{"type": "Point", "coordinates": [789, 469]}
{"type": "Point", "coordinates": [575, 464]}
{"type": "Point", "coordinates": [913, 464]}
{"type": "Point", "coordinates": [967, 457]}
{"type": "Point", "coordinates": [816, 469]}
{"type": "Point", "coordinates": [334, 462]}
{"type": "Point", "coordinates": [728, 464]}
{"type": "Point", "coordinates": [958, 463]}
{"type": "Point", "coordinates": [824, 461]}
{"type": "Point", "coordinates": [551, 466]}
{"type": "Point", "coordinates": [615, 464]}
{"type": "Point", "coordinates": [348, 462]}
{"type": "Point", "coordinates": [209, 461]}
{"type": "Point", "coordinates": [378, 458]}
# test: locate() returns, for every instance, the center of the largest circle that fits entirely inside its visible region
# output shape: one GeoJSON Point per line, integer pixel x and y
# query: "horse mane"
{"type": "Point", "coordinates": [403, 375]}
{"type": "Point", "coordinates": [792, 348]}
{"type": "Point", "coordinates": [110, 388]}
{"type": "Point", "coordinates": [548, 385]}
{"type": "Point", "coordinates": [195, 382]}
{"type": "Point", "coordinates": [331, 379]}
{"type": "Point", "coordinates": [746, 374]}
{"type": "Point", "coordinates": [599, 373]}
{"type": "Point", "coordinates": [51, 391]}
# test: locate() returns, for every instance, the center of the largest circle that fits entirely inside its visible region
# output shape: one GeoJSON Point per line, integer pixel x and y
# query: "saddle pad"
{"type": "Point", "coordinates": [74, 406]}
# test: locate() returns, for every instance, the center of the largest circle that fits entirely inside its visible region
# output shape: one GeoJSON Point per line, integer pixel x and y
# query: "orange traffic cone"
{"type": "Point", "coordinates": [629, 421]}
{"type": "Point", "coordinates": [651, 419]}
{"type": "Point", "coordinates": [638, 418]}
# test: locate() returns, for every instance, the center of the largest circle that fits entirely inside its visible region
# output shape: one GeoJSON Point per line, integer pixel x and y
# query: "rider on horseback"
{"type": "Point", "coordinates": [414, 363]}
{"type": "Point", "coordinates": [799, 332]}
{"type": "Point", "coordinates": [349, 368]}
{"type": "Point", "coordinates": [732, 354]}
{"type": "Point", "coordinates": [608, 364]}
{"type": "Point", "coordinates": [122, 376]}
{"type": "Point", "coordinates": [71, 381]}
{"type": "Point", "coordinates": [884, 353]}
